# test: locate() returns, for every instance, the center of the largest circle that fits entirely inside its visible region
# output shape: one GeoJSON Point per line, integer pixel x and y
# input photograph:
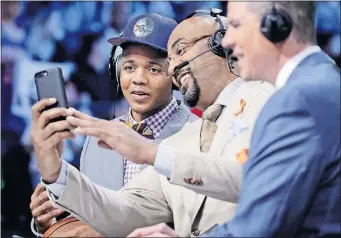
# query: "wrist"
{"type": "Point", "coordinates": [52, 175]}
{"type": "Point", "coordinates": [151, 154]}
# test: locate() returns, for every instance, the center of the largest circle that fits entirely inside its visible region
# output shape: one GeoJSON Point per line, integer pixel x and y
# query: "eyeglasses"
{"type": "Point", "coordinates": [184, 63]}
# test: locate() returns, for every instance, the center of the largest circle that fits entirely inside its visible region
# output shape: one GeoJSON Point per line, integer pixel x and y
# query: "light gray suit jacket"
{"type": "Point", "coordinates": [105, 167]}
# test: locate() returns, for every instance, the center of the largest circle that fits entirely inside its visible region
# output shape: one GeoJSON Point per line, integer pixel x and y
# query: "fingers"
{"type": "Point", "coordinates": [41, 144]}
{"type": "Point", "coordinates": [56, 138]}
{"type": "Point", "coordinates": [39, 189]}
{"type": "Point", "coordinates": [39, 200]}
{"type": "Point", "coordinates": [103, 145]}
{"type": "Point", "coordinates": [76, 122]}
{"type": "Point", "coordinates": [90, 131]}
{"type": "Point", "coordinates": [158, 234]}
{"type": "Point", "coordinates": [159, 229]}
{"type": "Point", "coordinates": [56, 126]}
{"type": "Point", "coordinates": [39, 106]}
{"type": "Point", "coordinates": [48, 115]}
{"type": "Point", "coordinates": [81, 115]}
{"type": "Point", "coordinates": [42, 209]}
{"type": "Point", "coordinates": [46, 218]}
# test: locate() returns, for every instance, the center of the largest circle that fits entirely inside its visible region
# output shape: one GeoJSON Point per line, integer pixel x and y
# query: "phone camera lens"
{"type": "Point", "coordinates": [42, 74]}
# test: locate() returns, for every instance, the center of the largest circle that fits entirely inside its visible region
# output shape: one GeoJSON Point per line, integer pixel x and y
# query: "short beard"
{"type": "Point", "coordinates": [191, 97]}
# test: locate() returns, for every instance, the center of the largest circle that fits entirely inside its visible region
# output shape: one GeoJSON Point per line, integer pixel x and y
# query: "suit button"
{"type": "Point", "coordinates": [195, 232]}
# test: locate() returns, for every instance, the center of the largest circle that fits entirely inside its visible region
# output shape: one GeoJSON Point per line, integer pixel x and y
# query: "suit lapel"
{"type": "Point", "coordinates": [175, 123]}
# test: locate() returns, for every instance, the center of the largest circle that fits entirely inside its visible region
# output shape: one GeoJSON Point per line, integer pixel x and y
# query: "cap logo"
{"type": "Point", "coordinates": [144, 27]}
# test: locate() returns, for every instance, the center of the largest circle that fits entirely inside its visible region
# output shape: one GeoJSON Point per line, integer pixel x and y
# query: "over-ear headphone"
{"type": "Point", "coordinates": [114, 68]}
{"type": "Point", "coordinates": [115, 62]}
{"type": "Point", "coordinates": [276, 25]}
{"type": "Point", "coordinates": [214, 42]}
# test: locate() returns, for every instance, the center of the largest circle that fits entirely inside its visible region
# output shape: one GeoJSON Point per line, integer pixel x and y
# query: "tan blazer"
{"type": "Point", "coordinates": [219, 171]}
{"type": "Point", "coordinates": [150, 198]}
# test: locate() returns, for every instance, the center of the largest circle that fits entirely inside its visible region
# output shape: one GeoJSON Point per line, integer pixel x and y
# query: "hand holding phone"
{"type": "Point", "coordinates": [49, 127]}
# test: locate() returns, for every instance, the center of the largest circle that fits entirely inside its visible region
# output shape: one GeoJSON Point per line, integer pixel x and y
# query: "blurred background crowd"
{"type": "Point", "coordinates": [73, 36]}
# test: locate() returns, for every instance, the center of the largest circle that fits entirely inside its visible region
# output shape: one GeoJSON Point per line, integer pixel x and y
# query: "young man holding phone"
{"type": "Point", "coordinates": [153, 112]}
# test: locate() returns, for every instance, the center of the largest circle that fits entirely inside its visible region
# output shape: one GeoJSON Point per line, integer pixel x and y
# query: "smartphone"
{"type": "Point", "coordinates": [50, 84]}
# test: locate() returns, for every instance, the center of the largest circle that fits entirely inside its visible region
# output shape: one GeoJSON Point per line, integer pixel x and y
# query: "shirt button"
{"type": "Point", "coordinates": [195, 232]}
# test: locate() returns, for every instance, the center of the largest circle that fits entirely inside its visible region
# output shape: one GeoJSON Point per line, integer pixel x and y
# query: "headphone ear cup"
{"type": "Point", "coordinates": [214, 43]}
{"type": "Point", "coordinates": [276, 25]}
{"type": "Point", "coordinates": [118, 64]}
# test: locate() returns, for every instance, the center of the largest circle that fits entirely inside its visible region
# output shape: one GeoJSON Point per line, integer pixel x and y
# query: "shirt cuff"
{"type": "Point", "coordinates": [164, 160]}
{"type": "Point", "coordinates": [57, 188]}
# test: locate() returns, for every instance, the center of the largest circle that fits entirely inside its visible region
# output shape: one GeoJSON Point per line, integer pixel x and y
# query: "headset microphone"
{"type": "Point", "coordinates": [185, 63]}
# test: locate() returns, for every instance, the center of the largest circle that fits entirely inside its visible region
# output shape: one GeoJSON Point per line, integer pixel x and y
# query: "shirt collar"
{"type": "Point", "coordinates": [228, 91]}
{"type": "Point", "coordinates": [157, 121]}
{"type": "Point", "coordinates": [285, 72]}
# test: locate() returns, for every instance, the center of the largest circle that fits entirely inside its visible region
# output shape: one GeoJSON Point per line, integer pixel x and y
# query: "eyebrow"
{"type": "Point", "coordinates": [176, 42]}
{"type": "Point", "coordinates": [129, 61]}
{"type": "Point", "coordinates": [153, 62]}
{"type": "Point", "coordinates": [149, 62]}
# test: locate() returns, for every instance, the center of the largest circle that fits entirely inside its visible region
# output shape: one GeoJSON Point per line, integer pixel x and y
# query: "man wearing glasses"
{"type": "Point", "coordinates": [196, 157]}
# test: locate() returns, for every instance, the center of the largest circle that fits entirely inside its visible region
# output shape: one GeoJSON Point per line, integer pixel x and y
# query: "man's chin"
{"type": "Point", "coordinates": [140, 109]}
{"type": "Point", "coordinates": [190, 102]}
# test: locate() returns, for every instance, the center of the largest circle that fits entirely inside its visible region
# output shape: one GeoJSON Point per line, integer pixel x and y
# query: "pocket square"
{"type": "Point", "coordinates": [242, 156]}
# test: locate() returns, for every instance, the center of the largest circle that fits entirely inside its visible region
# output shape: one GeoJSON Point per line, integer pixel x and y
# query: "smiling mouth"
{"type": "Point", "coordinates": [139, 93]}
{"type": "Point", "coordinates": [182, 81]}
{"type": "Point", "coordinates": [139, 96]}
{"type": "Point", "coordinates": [181, 76]}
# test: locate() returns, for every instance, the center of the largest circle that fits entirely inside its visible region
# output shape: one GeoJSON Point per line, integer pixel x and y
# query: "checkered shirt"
{"type": "Point", "coordinates": [156, 123]}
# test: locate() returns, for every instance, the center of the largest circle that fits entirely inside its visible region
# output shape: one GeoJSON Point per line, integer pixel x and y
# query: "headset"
{"type": "Point", "coordinates": [214, 42]}
{"type": "Point", "coordinates": [115, 63]}
{"type": "Point", "coordinates": [114, 68]}
{"type": "Point", "coordinates": [276, 25]}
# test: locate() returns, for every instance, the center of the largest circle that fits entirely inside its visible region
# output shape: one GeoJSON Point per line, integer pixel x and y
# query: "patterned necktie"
{"type": "Point", "coordinates": [142, 128]}
{"type": "Point", "coordinates": [209, 127]}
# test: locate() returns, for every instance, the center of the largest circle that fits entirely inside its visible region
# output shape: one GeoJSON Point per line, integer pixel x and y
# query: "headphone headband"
{"type": "Point", "coordinates": [214, 42]}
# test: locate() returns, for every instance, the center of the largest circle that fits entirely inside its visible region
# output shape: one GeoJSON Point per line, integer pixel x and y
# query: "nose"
{"type": "Point", "coordinates": [140, 77]}
{"type": "Point", "coordinates": [227, 41]}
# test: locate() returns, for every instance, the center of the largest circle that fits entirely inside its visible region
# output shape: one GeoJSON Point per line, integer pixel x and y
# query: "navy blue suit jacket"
{"type": "Point", "coordinates": [291, 181]}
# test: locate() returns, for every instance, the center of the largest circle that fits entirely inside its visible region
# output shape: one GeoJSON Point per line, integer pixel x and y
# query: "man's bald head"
{"type": "Point", "coordinates": [206, 74]}
{"type": "Point", "coordinates": [196, 27]}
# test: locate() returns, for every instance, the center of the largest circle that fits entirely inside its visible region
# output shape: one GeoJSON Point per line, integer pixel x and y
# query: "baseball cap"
{"type": "Point", "coordinates": [148, 29]}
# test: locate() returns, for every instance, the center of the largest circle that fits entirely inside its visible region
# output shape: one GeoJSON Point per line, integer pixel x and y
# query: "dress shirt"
{"type": "Point", "coordinates": [285, 72]}
{"type": "Point", "coordinates": [156, 123]}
